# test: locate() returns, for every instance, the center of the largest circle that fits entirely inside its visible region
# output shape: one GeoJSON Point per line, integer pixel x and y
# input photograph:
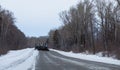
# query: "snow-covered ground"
{"type": "Point", "coordinates": [19, 60]}
{"type": "Point", "coordinates": [25, 59]}
{"type": "Point", "coordinates": [96, 58]}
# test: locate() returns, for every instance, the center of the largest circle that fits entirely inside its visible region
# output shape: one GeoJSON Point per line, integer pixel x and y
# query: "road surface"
{"type": "Point", "coordinates": [50, 60]}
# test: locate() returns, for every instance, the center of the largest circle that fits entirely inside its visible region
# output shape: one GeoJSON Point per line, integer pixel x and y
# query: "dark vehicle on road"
{"type": "Point", "coordinates": [43, 48]}
{"type": "Point", "coordinates": [42, 44]}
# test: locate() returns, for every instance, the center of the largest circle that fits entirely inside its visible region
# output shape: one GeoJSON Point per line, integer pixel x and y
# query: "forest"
{"type": "Point", "coordinates": [91, 26]}
{"type": "Point", "coordinates": [11, 38]}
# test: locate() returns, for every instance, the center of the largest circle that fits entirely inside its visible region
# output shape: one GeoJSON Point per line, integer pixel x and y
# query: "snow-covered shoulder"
{"type": "Point", "coordinates": [89, 57]}
{"type": "Point", "coordinates": [18, 60]}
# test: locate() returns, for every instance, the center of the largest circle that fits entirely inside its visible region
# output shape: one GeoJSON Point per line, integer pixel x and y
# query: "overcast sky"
{"type": "Point", "coordinates": [37, 17]}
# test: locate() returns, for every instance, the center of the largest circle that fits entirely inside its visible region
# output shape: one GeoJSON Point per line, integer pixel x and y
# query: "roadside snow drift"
{"type": "Point", "coordinates": [89, 57]}
{"type": "Point", "coordinates": [19, 60]}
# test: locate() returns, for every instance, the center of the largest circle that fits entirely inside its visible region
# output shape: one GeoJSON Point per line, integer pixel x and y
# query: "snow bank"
{"type": "Point", "coordinates": [18, 60]}
{"type": "Point", "coordinates": [89, 57]}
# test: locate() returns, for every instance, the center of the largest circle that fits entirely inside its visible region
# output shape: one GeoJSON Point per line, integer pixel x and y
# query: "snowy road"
{"type": "Point", "coordinates": [52, 60]}
{"type": "Point", "coordinates": [19, 60]}
{"type": "Point", "coordinates": [30, 59]}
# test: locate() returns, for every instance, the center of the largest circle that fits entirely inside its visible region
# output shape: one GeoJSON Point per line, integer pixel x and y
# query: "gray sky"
{"type": "Point", "coordinates": [37, 17]}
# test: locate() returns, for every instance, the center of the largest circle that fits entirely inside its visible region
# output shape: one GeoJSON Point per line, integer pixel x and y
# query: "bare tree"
{"type": "Point", "coordinates": [10, 36]}
{"type": "Point", "coordinates": [118, 1]}
{"type": "Point", "coordinates": [89, 26]}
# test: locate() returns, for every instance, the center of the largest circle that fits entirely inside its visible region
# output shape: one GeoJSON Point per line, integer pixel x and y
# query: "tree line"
{"type": "Point", "coordinates": [11, 38]}
{"type": "Point", "coordinates": [92, 26]}
{"type": "Point", "coordinates": [36, 41]}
